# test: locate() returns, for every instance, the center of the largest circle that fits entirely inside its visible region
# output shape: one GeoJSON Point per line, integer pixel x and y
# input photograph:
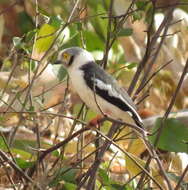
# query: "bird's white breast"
{"type": "Point", "coordinates": [93, 101]}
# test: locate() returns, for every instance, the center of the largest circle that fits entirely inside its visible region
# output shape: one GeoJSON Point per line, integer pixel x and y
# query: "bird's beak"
{"type": "Point", "coordinates": [58, 62]}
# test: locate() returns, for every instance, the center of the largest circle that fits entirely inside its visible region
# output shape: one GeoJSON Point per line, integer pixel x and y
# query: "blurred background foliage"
{"type": "Point", "coordinates": [31, 88]}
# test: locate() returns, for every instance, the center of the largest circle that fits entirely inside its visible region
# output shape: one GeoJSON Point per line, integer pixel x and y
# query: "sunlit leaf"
{"type": "Point", "coordinates": [23, 164]}
{"type": "Point", "coordinates": [2, 144]}
{"type": "Point", "coordinates": [99, 24]}
{"type": "Point", "coordinates": [104, 177]}
{"type": "Point", "coordinates": [93, 42]}
{"type": "Point", "coordinates": [132, 166]}
{"type": "Point", "coordinates": [69, 186]}
{"type": "Point", "coordinates": [22, 153]}
{"type": "Point", "coordinates": [56, 21]}
{"type": "Point", "coordinates": [132, 65]}
{"type": "Point", "coordinates": [136, 147]}
{"type": "Point", "coordinates": [45, 38]}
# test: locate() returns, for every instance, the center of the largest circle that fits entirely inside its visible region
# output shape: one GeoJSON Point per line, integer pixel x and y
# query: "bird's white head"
{"type": "Point", "coordinates": [74, 57]}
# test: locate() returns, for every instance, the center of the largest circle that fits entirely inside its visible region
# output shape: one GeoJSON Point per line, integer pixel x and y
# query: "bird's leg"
{"type": "Point", "coordinates": [97, 120]}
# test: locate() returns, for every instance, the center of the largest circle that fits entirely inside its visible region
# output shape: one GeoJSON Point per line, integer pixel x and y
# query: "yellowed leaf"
{"type": "Point", "coordinates": [136, 147]}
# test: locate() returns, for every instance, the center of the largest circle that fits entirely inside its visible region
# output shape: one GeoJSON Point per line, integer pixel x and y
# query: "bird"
{"type": "Point", "coordinates": [97, 89]}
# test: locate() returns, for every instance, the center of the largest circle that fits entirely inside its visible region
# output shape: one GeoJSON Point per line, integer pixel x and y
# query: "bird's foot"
{"type": "Point", "coordinates": [96, 121]}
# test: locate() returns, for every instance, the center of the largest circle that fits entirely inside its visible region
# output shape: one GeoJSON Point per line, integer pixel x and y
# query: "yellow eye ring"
{"type": "Point", "coordinates": [65, 55]}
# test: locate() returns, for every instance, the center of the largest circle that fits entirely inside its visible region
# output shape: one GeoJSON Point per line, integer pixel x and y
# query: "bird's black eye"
{"type": "Point", "coordinates": [71, 60]}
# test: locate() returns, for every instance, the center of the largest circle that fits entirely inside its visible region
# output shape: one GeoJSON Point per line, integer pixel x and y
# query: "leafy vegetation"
{"type": "Point", "coordinates": [46, 137]}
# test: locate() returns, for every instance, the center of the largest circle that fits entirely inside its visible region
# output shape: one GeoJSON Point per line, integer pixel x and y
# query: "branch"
{"type": "Point", "coordinates": [18, 169]}
{"type": "Point", "coordinates": [181, 178]}
{"type": "Point", "coordinates": [172, 102]}
{"type": "Point", "coordinates": [58, 145]}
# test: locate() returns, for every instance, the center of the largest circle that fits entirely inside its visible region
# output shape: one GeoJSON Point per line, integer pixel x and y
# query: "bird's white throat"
{"type": "Point", "coordinates": [83, 58]}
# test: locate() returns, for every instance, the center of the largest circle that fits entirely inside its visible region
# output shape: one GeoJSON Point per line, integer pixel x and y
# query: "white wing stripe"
{"type": "Point", "coordinates": [111, 92]}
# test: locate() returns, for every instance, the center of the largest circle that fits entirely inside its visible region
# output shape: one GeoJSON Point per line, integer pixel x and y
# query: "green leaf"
{"type": "Point", "coordinates": [30, 35]}
{"type": "Point", "coordinates": [24, 145]}
{"type": "Point", "coordinates": [149, 12]}
{"type": "Point", "coordinates": [56, 21]}
{"type": "Point", "coordinates": [64, 174]}
{"type": "Point", "coordinates": [3, 145]}
{"type": "Point", "coordinates": [125, 32]}
{"type": "Point", "coordinates": [69, 186]}
{"type": "Point", "coordinates": [104, 177]}
{"type": "Point", "coordinates": [2, 118]}
{"type": "Point", "coordinates": [23, 164]}
{"type": "Point", "coordinates": [137, 16]}
{"type": "Point", "coordinates": [121, 187]}
{"type": "Point", "coordinates": [16, 149]}
{"type": "Point", "coordinates": [74, 39]}
{"type": "Point", "coordinates": [33, 65]}
{"type": "Point", "coordinates": [174, 136]}
{"type": "Point", "coordinates": [31, 109]}
{"type": "Point", "coordinates": [131, 65]}
{"type": "Point", "coordinates": [93, 42]}
{"type": "Point", "coordinates": [99, 24]}
{"type": "Point", "coordinates": [60, 72]}
{"type": "Point", "coordinates": [22, 153]}
{"type": "Point", "coordinates": [25, 22]}
{"type": "Point", "coordinates": [79, 26]}
{"type": "Point", "coordinates": [141, 4]}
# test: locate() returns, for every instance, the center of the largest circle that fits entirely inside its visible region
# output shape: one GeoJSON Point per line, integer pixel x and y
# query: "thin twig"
{"type": "Point", "coordinates": [17, 169]}
{"type": "Point", "coordinates": [107, 48]}
{"type": "Point", "coordinates": [149, 47]}
{"type": "Point", "coordinates": [129, 156]}
{"type": "Point", "coordinates": [162, 126]}
{"type": "Point", "coordinates": [152, 76]}
{"type": "Point", "coordinates": [172, 102]}
{"type": "Point", "coordinates": [3, 166]}
{"type": "Point", "coordinates": [91, 173]}
{"type": "Point", "coordinates": [181, 178]}
{"type": "Point", "coordinates": [61, 144]}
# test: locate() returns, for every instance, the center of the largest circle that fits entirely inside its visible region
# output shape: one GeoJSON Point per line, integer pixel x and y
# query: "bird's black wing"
{"type": "Point", "coordinates": [107, 87]}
